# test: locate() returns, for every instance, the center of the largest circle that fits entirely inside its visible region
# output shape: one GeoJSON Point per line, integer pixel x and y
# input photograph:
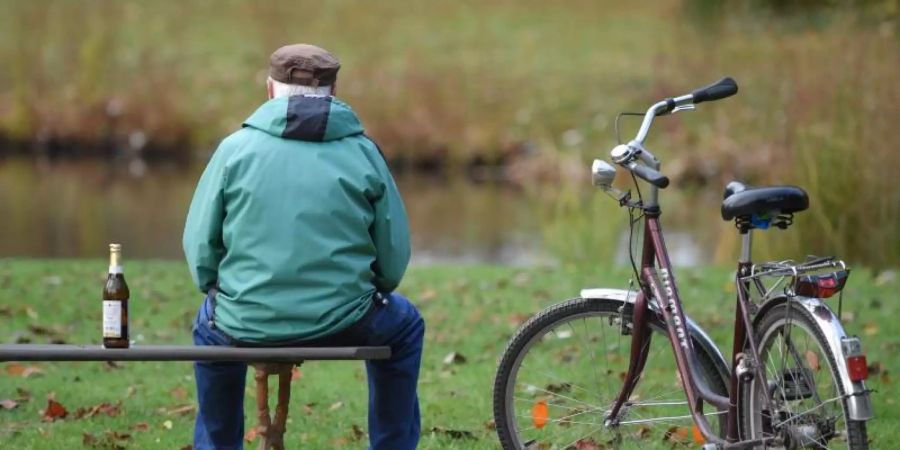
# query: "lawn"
{"type": "Point", "coordinates": [471, 310]}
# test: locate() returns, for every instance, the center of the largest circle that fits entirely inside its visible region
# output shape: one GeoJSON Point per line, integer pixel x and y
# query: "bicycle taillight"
{"type": "Point", "coordinates": [821, 286]}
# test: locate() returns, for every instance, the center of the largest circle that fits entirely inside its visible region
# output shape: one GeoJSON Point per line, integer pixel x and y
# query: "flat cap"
{"type": "Point", "coordinates": [303, 64]}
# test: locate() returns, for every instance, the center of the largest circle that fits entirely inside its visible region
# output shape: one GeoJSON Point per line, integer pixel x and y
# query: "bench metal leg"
{"type": "Point", "coordinates": [272, 430]}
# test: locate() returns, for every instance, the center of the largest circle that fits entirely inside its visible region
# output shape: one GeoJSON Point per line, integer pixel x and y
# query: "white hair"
{"type": "Point", "coordinates": [280, 89]}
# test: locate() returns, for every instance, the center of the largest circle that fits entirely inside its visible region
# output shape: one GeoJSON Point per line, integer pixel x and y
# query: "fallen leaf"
{"type": "Point", "coordinates": [179, 392]}
{"type": "Point", "coordinates": [31, 313]}
{"type": "Point", "coordinates": [454, 358]}
{"type": "Point", "coordinates": [181, 410]}
{"type": "Point", "coordinates": [187, 447]}
{"type": "Point", "coordinates": [813, 360]}
{"type": "Point", "coordinates": [643, 432]}
{"type": "Point", "coordinates": [453, 434]}
{"type": "Point", "coordinates": [130, 391]}
{"type": "Point", "coordinates": [54, 410]}
{"type": "Point", "coordinates": [490, 425]}
{"type": "Point", "coordinates": [356, 433]}
{"type": "Point", "coordinates": [167, 424]}
{"type": "Point", "coordinates": [296, 374]}
{"type": "Point", "coordinates": [699, 439]}
{"type": "Point", "coordinates": [677, 435]}
{"type": "Point", "coordinates": [8, 404]}
{"type": "Point", "coordinates": [517, 319]}
{"type": "Point", "coordinates": [24, 394]}
{"type": "Point", "coordinates": [116, 436]}
{"type": "Point", "coordinates": [870, 329]}
{"type": "Point", "coordinates": [308, 408]}
{"type": "Point", "coordinates": [111, 365]}
{"type": "Point", "coordinates": [251, 434]}
{"type": "Point", "coordinates": [335, 406]}
{"type": "Point", "coordinates": [18, 370]}
{"type": "Point", "coordinates": [874, 368]}
{"type": "Point", "coordinates": [111, 410]}
{"type": "Point", "coordinates": [88, 439]}
{"type": "Point", "coordinates": [559, 388]}
{"type": "Point", "coordinates": [141, 426]}
{"type": "Point", "coordinates": [587, 444]}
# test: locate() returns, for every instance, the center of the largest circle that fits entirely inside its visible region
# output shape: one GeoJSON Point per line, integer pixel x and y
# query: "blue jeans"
{"type": "Point", "coordinates": [393, 404]}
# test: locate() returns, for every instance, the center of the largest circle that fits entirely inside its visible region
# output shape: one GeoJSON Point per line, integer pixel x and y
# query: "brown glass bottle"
{"type": "Point", "coordinates": [115, 302]}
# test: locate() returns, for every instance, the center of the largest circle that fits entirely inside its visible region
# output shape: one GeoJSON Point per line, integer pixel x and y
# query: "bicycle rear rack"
{"type": "Point", "coordinates": [783, 270]}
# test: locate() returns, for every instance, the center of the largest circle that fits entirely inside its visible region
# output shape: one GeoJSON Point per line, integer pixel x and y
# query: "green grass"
{"type": "Point", "coordinates": [471, 310]}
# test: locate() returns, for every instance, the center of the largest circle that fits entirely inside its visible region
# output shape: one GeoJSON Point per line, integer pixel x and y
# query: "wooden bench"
{"type": "Point", "coordinates": [266, 361]}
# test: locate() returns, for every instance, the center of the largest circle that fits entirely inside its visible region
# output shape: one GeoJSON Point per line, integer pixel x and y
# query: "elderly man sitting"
{"type": "Point", "coordinates": [298, 236]}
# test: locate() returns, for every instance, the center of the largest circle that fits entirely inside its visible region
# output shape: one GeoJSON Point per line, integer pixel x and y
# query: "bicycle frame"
{"type": "Point", "coordinates": [657, 277]}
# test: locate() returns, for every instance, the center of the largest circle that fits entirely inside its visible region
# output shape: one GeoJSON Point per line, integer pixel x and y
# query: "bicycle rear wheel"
{"type": "Point", "coordinates": [808, 399]}
{"type": "Point", "coordinates": [559, 375]}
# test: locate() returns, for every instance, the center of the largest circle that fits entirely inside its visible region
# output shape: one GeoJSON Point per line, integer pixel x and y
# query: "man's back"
{"type": "Point", "coordinates": [297, 221]}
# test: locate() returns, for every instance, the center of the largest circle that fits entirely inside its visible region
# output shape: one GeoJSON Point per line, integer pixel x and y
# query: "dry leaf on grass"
{"type": "Point", "coordinates": [8, 404]}
{"type": "Point", "coordinates": [356, 433]}
{"type": "Point", "coordinates": [178, 392]}
{"type": "Point", "coordinates": [677, 435]}
{"type": "Point", "coordinates": [251, 435]}
{"type": "Point", "coordinates": [141, 426]}
{"type": "Point", "coordinates": [587, 444]}
{"type": "Point", "coordinates": [181, 410]}
{"type": "Point", "coordinates": [296, 374]}
{"type": "Point", "coordinates": [110, 410]}
{"type": "Point", "coordinates": [18, 370]}
{"type": "Point", "coordinates": [335, 405]}
{"type": "Point", "coordinates": [53, 411]}
{"type": "Point", "coordinates": [454, 358]}
{"type": "Point", "coordinates": [453, 434]}
{"type": "Point", "coordinates": [813, 360]}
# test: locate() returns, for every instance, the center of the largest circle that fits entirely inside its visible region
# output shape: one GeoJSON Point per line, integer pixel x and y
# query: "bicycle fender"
{"type": "Point", "coordinates": [697, 333]}
{"type": "Point", "coordinates": [859, 406]}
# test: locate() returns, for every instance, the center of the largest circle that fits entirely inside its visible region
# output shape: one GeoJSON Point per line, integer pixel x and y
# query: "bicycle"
{"type": "Point", "coordinates": [628, 369]}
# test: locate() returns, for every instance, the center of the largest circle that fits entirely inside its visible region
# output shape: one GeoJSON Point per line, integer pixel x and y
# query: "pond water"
{"type": "Point", "coordinates": [74, 208]}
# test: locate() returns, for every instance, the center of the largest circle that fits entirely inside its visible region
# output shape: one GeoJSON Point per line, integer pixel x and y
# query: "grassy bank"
{"type": "Point", "coordinates": [470, 310]}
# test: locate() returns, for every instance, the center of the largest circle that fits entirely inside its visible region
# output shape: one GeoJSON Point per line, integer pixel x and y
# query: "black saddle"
{"type": "Point", "coordinates": [745, 201]}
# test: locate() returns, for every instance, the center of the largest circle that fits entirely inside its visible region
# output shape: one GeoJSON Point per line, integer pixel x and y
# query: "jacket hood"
{"type": "Point", "coordinates": [306, 118]}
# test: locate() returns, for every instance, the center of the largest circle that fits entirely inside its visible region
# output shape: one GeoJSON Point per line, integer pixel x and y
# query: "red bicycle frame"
{"type": "Point", "coordinates": [658, 284]}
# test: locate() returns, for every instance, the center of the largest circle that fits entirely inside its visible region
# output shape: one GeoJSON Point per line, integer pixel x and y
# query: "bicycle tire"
{"type": "Point", "coordinates": [772, 320]}
{"type": "Point", "coordinates": [537, 325]}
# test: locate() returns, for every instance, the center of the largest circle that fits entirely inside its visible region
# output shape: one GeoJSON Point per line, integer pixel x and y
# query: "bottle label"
{"type": "Point", "coordinates": [112, 319]}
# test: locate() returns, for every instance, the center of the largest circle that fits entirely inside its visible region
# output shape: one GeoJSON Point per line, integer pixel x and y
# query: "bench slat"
{"type": "Point", "coordinates": [69, 352]}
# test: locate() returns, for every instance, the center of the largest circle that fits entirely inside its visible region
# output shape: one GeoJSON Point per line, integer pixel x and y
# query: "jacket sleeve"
{"type": "Point", "coordinates": [202, 240]}
{"type": "Point", "coordinates": [390, 233]}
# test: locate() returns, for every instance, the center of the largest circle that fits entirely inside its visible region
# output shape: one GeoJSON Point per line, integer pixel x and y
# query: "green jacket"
{"type": "Point", "coordinates": [298, 221]}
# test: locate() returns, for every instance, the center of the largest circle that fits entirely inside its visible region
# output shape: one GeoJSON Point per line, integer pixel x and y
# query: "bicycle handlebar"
{"type": "Point", "coordinates": [726, 87]}
{"type": "Point", "coordinates": [649, 175]}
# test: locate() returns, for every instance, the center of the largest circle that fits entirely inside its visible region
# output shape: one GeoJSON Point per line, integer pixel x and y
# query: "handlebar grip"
{"type": "Point", "coordinates": [726, 87]}
{"type": "Point", "coordinates": [649, 175]}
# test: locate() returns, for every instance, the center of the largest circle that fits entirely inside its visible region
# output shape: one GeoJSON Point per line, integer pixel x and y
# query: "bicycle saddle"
{"type": "Point", "coordinates": [741, 200]}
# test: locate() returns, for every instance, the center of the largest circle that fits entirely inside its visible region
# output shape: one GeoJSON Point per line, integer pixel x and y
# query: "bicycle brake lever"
{"type": "Point", "coordinates": [688, 107]}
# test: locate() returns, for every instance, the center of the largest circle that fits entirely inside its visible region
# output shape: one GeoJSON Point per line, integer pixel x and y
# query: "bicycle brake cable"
{"type": "Point", "coordinates": [616, 125]}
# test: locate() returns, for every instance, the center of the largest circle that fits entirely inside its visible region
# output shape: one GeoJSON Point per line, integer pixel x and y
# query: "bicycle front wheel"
{"type": "Point", "coordinates": [806, 400]}
{"type": "Point", "coordinates": [562, 370]}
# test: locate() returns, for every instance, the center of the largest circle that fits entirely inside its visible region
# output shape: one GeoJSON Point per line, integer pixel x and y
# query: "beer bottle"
{"type": "Point", "coordinates": [115, 302]}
